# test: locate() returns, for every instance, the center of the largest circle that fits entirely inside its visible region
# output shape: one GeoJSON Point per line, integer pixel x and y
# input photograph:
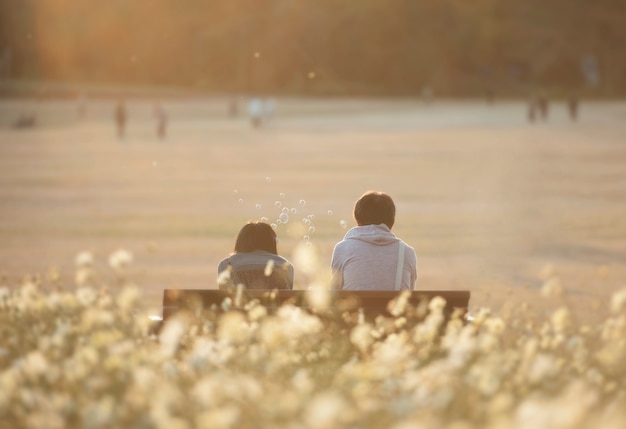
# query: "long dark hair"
{"type": "Point", "coordinates": [256, 236]}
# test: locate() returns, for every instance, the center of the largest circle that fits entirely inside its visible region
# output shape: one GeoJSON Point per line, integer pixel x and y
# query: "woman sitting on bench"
{"type": "Point", "coordinates": [255, 262]}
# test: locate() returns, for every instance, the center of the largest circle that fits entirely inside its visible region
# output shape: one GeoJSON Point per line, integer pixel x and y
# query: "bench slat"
{"type": "Point", "coordinates": [373, 302]}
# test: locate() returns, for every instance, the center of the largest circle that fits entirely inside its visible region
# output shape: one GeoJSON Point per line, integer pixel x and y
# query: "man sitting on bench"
{"type": "Point", "coordinates": [371, 257]}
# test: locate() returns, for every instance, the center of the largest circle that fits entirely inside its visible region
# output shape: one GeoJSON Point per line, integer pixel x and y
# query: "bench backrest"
{"type": "Point", "coordinates": [371, 303]}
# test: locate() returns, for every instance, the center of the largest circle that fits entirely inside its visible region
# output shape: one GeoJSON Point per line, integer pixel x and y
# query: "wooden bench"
{"type": "Point", "coordinates": [344, 304]}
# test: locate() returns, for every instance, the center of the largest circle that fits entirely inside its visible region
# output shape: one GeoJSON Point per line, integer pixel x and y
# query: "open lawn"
{"type": "Point", "coordinates": [490, 202]}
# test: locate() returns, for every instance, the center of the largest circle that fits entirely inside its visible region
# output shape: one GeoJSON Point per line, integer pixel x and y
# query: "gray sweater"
{"type": "Point", "coordinates": [247, 263]}
{"type": "Point", "coordinates": [367, 259]}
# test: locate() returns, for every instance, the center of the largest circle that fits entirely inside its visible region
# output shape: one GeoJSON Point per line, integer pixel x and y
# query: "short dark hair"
{"type": "Point", "coordinates": [256, 236]}
{"type": "Point", "coordinates": [374, 208]}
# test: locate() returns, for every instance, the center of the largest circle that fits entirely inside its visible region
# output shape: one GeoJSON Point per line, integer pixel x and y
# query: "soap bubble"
{"type": "Point", "coordinates": [278, 204]}
{"type": "Point", "coordinates": [258, 206]}
{"type": "Point", "coordinates": [285, 210]}
{"type": "Point", "coordinates": [306, 238]}
{"type": "Point", "coordinates": [284, 217]}
{"type": "Point", "coordinates": [293, 211]}
{"type": "Point", "coordinates": [311, 216]}
{"type": "Point", "coordinates": [330, 212]}
{"type": "Point", "coordinates": [343, 223]}
{"type": "Point", "coordinates": [302, 202]}
{"type": "Point", "coordinates": [274, 226]}
{"type": "Point", "coordinates": [282, 195]}
{"type": "Point", "coordinates": [311, 229]}
{"type": "Point", "coordinates": [306, 221]}
{"type": "Point", "coordinates": [240, 200]}
{"type": "Point", "coordinates": [236, 191]}
{"type": "Point", "coordinates": [264, 219]}
{"type": "Point", "coordinates": [268, 179]}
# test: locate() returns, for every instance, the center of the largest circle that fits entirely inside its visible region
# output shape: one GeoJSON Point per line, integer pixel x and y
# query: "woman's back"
{"type": "Point", "coordinates": [257, 270]}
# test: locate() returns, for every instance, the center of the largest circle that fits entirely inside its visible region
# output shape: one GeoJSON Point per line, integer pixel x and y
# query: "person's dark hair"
{"type": "Point", "coordinates": [256, 236]}
{"type": "Point", "coordinates": [374, 208]}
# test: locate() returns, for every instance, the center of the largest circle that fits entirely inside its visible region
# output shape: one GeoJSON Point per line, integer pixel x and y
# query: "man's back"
{"type": "Point", "coordinates": [371, 257]}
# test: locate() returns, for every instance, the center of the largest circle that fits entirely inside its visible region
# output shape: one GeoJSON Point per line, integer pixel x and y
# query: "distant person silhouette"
{"type": "Point", "coordinates": [255, 262]}
{"type": "Point", "coordinates": [490, 95]}
{"type": "Point", "coordinates": [543, 106]}
{"type": "Point", "coordinates": [255, 110]}
{"type": "Point", "coordinates": [269, 108]}
{"type": "Point", "coordinates": [25, 121]}
{"type": "Point", "coordinates": [120, 118]}
{"type": "Point", "coordinates": [161, 119]}
{"type": "Point", "coordinates": [233, 108]}
{"type": "Point", "coordinates": [82, 105]}
{"type": "Point", "coordinates": [428, 94]}
{"type": "Point", "coordinates": [572, 107]}
{"type": "Point", "coordinates": [532, 108]}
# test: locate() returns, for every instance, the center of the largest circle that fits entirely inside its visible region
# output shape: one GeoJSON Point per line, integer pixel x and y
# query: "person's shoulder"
{"type": "Point", "coordinates": [341, 245]}
{"type": "Point", "coordinates": [221, 266]}
{"type": "Point", "coordinates": [281, 260]}
{"type": "Point", "coordinates": [410, 249]}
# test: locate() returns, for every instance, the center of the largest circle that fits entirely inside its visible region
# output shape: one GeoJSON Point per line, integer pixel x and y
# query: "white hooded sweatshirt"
{"type": "Point", "coordinates": [367, 259]}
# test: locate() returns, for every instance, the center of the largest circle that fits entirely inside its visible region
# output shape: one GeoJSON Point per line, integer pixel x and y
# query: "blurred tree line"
{"type": "Point", "coordinates": [391, 47]}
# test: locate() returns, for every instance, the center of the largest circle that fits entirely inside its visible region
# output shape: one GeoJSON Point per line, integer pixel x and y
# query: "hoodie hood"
{"type": "Point", "coordinates": [380, 235]}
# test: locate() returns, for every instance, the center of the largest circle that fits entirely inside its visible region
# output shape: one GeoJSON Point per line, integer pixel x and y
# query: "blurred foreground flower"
{"type": "Point", "coordinates": [120, 260]}
{"type": "Point", "coordinates": [618, 302]}
{"type": "Point", "coordinates": [84, 259]}
{"type": "Point", "coordinates": [128, 298]}
{"type": "Point", "coordinates": [552, 287]}
{"type": "Point", "coordinates": [76, 359]}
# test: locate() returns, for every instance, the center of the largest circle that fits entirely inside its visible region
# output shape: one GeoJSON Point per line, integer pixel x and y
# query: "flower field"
{"type": "Point", "coordinates": [89, 358]}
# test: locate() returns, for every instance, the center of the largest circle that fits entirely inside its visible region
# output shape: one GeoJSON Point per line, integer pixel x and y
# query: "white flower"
{"type": "Point", "coordinates": [223, 278]}
{"type": "Point", "coordinates": [86, 296]}
{"type": "Point", "coordinates": [84, 259]}
{"type": "Point", "coordinates": [128, 298]}
{"type": "Point", "coordinates": [170, 335]}
{"type": "Point", "coordinates": [542, 367]}
{"type": "Point", "coordinates": [223, 417]}
{"type": "Point", "coordinates": [83, 276]}
{"type": "Point", "coordinates": [618, 301]}
{"type": "Point", "coordinates": [301, 323]}
{"type": "Point", "coordinates": [437, 304]}
{"type": "Point", "coordinates": [269, 268]}
{"type": "Point", "coordinates": [318, 295]}
{"type": "Point", "coordinates": [98, 414]}
{"type": "Point", "coordinates": [5, 293]}
{"type": "Point", "coordinates": [233, 327]}
{"type": "Point", "coordinates": [561, 319]}
{"type": "Point", "coordinates": [302, 381]}
{"type": "Point", "coordinates": [326, 409]}
{"type": "Point", "coordinates": [552, 287]}
{"type": "Point", "coordinates": [361, 336]}
{"type": "Point", "coordinates": [120, 259]}
{"type": "Point", "coordinates": [145, 378]}
{"type": "Point", "coordinates": [35, 364]}
{"type": "Point", "coordinates": [397, 306]}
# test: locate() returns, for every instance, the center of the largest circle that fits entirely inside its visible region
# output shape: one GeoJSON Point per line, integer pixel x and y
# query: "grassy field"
{"type": "Point", "coordinates": [490, 202]}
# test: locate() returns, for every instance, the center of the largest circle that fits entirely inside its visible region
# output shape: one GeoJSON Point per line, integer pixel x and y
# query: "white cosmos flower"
{"type": "Point", "coordinates": [84, 259]}
{"type": "Point", "coordinates": [618, 301]}
{"type": "Point", "coordinates": [120, 259]}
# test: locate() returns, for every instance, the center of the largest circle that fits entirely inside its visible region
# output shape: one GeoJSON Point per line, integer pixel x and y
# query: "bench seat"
{"type": "Point", "coordinates": [342, 302]}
